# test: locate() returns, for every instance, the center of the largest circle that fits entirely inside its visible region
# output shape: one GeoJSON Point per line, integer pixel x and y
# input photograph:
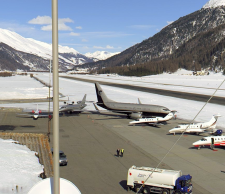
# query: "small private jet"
{"type": "Point", "coordinates": [196, 127]}
{"type": "Point", "coordinates": [35, 114]}
{"type": "Point", "coordinates": [210, 141]}
{"type": "Point", "coordinates": [132, 110]}
{"type": "Point", "coordinates": [154, 120]}
{"type": "Point", "coordinates": [66, 108]}
{"type": "Point", "coordinates": [74, 108]}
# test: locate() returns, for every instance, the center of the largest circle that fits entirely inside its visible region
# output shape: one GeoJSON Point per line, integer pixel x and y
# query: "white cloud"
{"type": "Point", "coordinates": [64, 27]}
{"type": "Point", "coordinates": [43, 20]}
{"type": "Point", "coordinates": [84, 40]}
{"type": "Point", "coordinates": [46, 28]}
{"type": "Point", "coordinates": [79, 27]}
{"type": "Point", "coordinates": [65, 20]}
{"type": "Point", "coordinates": [74, 34]}
{"type": "Point", "coordinates": [109, 47]}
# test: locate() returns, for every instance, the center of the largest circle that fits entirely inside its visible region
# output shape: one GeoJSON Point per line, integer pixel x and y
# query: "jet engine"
{"type": "Point", "coordinates": [135, 115]}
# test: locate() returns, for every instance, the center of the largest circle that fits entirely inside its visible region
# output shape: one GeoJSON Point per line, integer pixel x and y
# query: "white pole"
{"type": "Point", "coordinates": [55, 96]}
{"type": "Point", "coordinates": [49, 101]}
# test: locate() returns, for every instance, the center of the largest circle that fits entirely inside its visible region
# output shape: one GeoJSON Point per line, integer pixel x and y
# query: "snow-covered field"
{"type": "Point", "coordinates": [24, 87]}
{"type": "Point", "coordinates": [21, 87]}
{"type": "Point", "coordinates": [75, 90]}
{"type": "Point", "coordinates": [19, 168]}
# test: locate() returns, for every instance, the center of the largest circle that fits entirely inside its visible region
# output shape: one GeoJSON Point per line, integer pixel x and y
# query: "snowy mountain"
{"type": "Point", "coordinates": [30, 54]}
{"type": "Point", "coordinates": [179, 39]}
{"type": "Point", "coordinates": [214, 3]}
{"type": "Point", "coordinates": [100, 55]}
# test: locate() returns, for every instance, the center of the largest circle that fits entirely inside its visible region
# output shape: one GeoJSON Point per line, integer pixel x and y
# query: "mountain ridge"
{"type": "Point", "coordinates": [162, 45]}
{"type": "Point", "coordinates": [23, 49]}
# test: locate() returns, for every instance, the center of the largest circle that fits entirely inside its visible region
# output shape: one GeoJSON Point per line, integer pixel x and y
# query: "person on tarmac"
{"type": "Point", "coordinates": [118, 152]}
{"type": "Point", "coordinates": [121, 152]}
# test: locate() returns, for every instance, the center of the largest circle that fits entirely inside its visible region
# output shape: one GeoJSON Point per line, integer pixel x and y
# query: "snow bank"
{"type": "Point", "coordinates": [19, 167]}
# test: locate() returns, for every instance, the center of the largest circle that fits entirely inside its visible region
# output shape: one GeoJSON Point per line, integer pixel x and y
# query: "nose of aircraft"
{"type": "Point", "coordinates": [199, 143]}
{"type": "Point", "coordinates": [172, 130]}
{"type": "Point", "coordinates": [196, 144]}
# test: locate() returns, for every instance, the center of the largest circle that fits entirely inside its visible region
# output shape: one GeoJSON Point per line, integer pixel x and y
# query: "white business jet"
{"type": "Point", "coordinates": [210, 141]}
{"type": "Point", "coordinates": [35, 114]}
{"type": "Point", "coordinates": [153, 121]}
{"type": "Point", "coordinates": [196, 127]}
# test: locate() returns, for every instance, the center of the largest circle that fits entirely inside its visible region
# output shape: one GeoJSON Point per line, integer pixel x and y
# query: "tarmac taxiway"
{"type": "Point", "coordinates": [90, 142]}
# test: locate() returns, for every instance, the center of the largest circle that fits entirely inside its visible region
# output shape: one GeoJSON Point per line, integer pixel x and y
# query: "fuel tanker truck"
{"type": "Point", "coordinates": [158, 181]}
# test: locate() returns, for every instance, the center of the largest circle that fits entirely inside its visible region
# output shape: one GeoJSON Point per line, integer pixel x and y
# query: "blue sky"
{"type": "Point", "coordinates": [94, 25]}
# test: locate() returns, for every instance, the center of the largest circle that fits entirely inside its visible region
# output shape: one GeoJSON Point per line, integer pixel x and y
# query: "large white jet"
{"type": "Point", "coordinates": [210, 141]}
{"type": "Point", "coordinates": [130, 109]}
{"type": "Point", "coordinates": [196, 127]}
{"type": "Point", "coordinates": [154, 120]}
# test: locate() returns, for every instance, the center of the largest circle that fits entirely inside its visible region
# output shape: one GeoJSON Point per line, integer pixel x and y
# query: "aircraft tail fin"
{"type": "Point", "coordinates": [83, 100]}
{"type": "Point", "coordinates": [169, 116]}
{"type": "Point", "coordinates": [37, 110]}
{"type": "Point", "coordinates": [213, 121]}
{"type": "Point", "coordinates": [101, 94]}
{"type": "Point", "coordinates": [139, 101]}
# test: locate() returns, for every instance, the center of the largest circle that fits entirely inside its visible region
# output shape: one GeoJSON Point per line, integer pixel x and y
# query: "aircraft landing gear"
{"type": "Point", "coordinates": [212, 147]}
{"type": "Point", "coordinates": [199, 147]}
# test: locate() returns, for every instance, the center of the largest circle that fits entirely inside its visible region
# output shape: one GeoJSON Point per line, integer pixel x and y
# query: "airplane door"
{"type": "Point", "coordinates": [212, 143]}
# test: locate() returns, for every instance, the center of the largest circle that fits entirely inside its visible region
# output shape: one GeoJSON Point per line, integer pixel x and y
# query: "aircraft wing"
{"type": "Point", "coordinates": [43, 116]}
{"type": "Point", "coordinates": [159, 123]}
{"type": "Point", "coordinates": [25, 115]}
{"type": "Point", "coordinates": [73, 111]}
{"type": "Point", "coordinates": [32, 115]}
{"type": "Point", "coordinates": [114, 110]}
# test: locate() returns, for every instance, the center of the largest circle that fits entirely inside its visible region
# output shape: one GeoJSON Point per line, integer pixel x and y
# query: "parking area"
{"type": "Point", "coordinates": [90, 142]}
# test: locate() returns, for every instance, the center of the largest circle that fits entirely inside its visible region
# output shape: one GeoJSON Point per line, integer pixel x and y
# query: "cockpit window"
{"type": "Point", "coordinates": [177, 126]}
{"type": "Point", "coordinates": [203, 139]}
{"type": "Point", "coordinates": [166, 109]}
